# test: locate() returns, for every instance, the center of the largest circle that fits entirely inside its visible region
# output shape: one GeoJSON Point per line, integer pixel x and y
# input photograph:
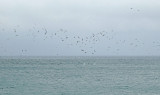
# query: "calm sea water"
{"type": "Point", "coordinates": [80, 76]}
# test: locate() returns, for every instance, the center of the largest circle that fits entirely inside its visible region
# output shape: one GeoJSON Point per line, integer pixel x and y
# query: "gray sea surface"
{"type": "Point", "coordinates": [79, 75]}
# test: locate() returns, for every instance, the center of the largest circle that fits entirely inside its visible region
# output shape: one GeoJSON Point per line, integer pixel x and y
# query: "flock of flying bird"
{"type": "Point", "coordinates": [85, 43]}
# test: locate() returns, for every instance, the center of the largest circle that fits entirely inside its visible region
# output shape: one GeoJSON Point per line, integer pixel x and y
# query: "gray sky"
{"type": "Point", "coordinates": [79, 27]}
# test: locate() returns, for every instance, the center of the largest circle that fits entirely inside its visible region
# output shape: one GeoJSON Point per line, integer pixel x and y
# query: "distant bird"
{"type": "Point", "coordinates": [45, 31]}
{"type": "Point", "coordinates": [15, 30]}
{"type": "Point", "coordinates": [24, 50]}
{"type": "Point", "coordinates": [61, 29]}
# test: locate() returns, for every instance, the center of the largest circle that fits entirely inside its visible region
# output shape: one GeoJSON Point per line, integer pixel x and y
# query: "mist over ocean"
{"type": "Point", "coordinates": [79, 75]}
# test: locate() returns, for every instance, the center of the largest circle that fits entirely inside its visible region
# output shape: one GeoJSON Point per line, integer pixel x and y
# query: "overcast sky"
{"type": "Point", "coordinates": [79, 27]}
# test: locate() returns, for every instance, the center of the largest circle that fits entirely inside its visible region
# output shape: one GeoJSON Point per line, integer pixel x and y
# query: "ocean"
{"type": "Point", "coordinates": [79, 75]}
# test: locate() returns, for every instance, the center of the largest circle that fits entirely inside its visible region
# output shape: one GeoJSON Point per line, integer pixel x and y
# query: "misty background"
{"type": "Point", "coordinates": [79, 28]}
